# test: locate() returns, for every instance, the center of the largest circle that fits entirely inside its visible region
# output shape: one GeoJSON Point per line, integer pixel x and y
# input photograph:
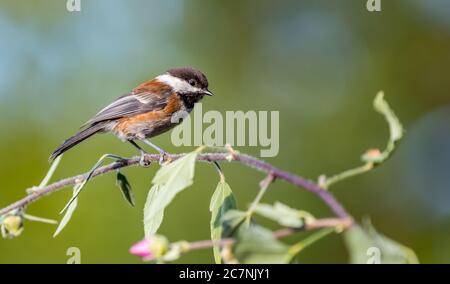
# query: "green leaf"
{"type": "Point", "coordinates": [125, 187]}
{"type": "Point", "coordinates": [69, 211]}
{"type": "Point", "coordinates": [257, 245]}
{"type": "Point", "coordinates": [221, 202]}
{"type": "Point", "coordinates": [177, 173]}
{"type": "Point", "coordinates": [295, 249]}
{"type": "Point", "coordinates": [283, 214]}
{"type": "Point", "coordinates": [89, 175]}
{"type": "Point", "coordinates": [152, 223]}
{"type": "Point", "coordinates": [171, 179]}
{"type": "Point", "coordinates": [366, 245]}
{"type": "Point", "coordinates": [234, 221]}
{"type": "Point", "coordinates": [39, 219]}
{"type": "Point", "coordinates": [395, 130]}
{"type": "Point", "coordinates": [51, 171]}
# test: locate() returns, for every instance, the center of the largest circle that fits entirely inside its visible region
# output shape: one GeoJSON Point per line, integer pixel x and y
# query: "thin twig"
{"type": "Point", "coordinates": [264, 185]}
{"type": "Point", "coordinates": [337, 223]}
{"type": "Point", "coordinates": [247, 160]}
{"type": "Point", "coordinates": [346, 174]}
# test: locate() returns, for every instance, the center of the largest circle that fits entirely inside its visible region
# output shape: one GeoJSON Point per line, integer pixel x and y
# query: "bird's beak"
{"type": "Point", "coordinates": [208, 93]}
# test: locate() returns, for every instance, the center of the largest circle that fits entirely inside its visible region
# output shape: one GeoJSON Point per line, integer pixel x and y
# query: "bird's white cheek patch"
{"type": "Point", "coordinates": [178, 85]}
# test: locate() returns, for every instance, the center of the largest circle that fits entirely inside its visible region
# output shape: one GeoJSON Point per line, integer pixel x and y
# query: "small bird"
{"type": "Point", "coordinates": [150, 109]}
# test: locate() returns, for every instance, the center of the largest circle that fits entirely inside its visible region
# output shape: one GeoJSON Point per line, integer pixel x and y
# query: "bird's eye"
{"type": "Point", "coordinates": [192, 82]}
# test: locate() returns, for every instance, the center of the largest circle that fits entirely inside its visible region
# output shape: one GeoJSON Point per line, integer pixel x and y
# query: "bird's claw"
{"type": "Point", "coordinates": [164, 159]}
{"type": "Point", "coordinates": [143, 162]}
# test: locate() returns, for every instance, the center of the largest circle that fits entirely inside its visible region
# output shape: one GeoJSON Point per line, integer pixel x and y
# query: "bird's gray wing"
{"type": "Point", "coordinates": [129, 105]}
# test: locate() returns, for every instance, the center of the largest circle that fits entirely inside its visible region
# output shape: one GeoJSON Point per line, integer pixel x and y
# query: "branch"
{"type": "Point", "coordinates": [247, 160]}
{"type": "Point", "coordinates": [282, 233]}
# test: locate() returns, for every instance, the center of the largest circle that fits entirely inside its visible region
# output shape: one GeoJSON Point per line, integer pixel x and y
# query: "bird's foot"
{"type": "Point", "coordinates": [164, 159]}
{"type": "Point", "coordinates": [143, 162]}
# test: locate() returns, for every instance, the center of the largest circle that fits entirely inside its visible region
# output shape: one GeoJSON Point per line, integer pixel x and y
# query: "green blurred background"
{"type": "Point", "coordinates": [319, 63]}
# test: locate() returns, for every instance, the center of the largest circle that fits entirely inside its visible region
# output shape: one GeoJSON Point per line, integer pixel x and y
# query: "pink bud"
{"type": "Point", "coordinates": [142, 248]}
{"type": "Point", "coordinates": [153, 247]}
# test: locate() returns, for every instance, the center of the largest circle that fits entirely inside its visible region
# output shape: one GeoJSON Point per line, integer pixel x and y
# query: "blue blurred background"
{"type": "Point", "coordinates": [319, 63]}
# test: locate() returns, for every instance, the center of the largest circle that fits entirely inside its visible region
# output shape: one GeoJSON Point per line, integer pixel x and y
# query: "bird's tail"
{"type": "Point", "coordinates": [77, 138]}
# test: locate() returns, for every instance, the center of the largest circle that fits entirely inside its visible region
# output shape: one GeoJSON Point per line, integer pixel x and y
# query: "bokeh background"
{"type": "Point", "coordinates": [319, 63]}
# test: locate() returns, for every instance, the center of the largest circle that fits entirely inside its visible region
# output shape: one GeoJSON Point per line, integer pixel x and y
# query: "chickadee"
{"type": "Point", "coordinates": [146, 111]}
